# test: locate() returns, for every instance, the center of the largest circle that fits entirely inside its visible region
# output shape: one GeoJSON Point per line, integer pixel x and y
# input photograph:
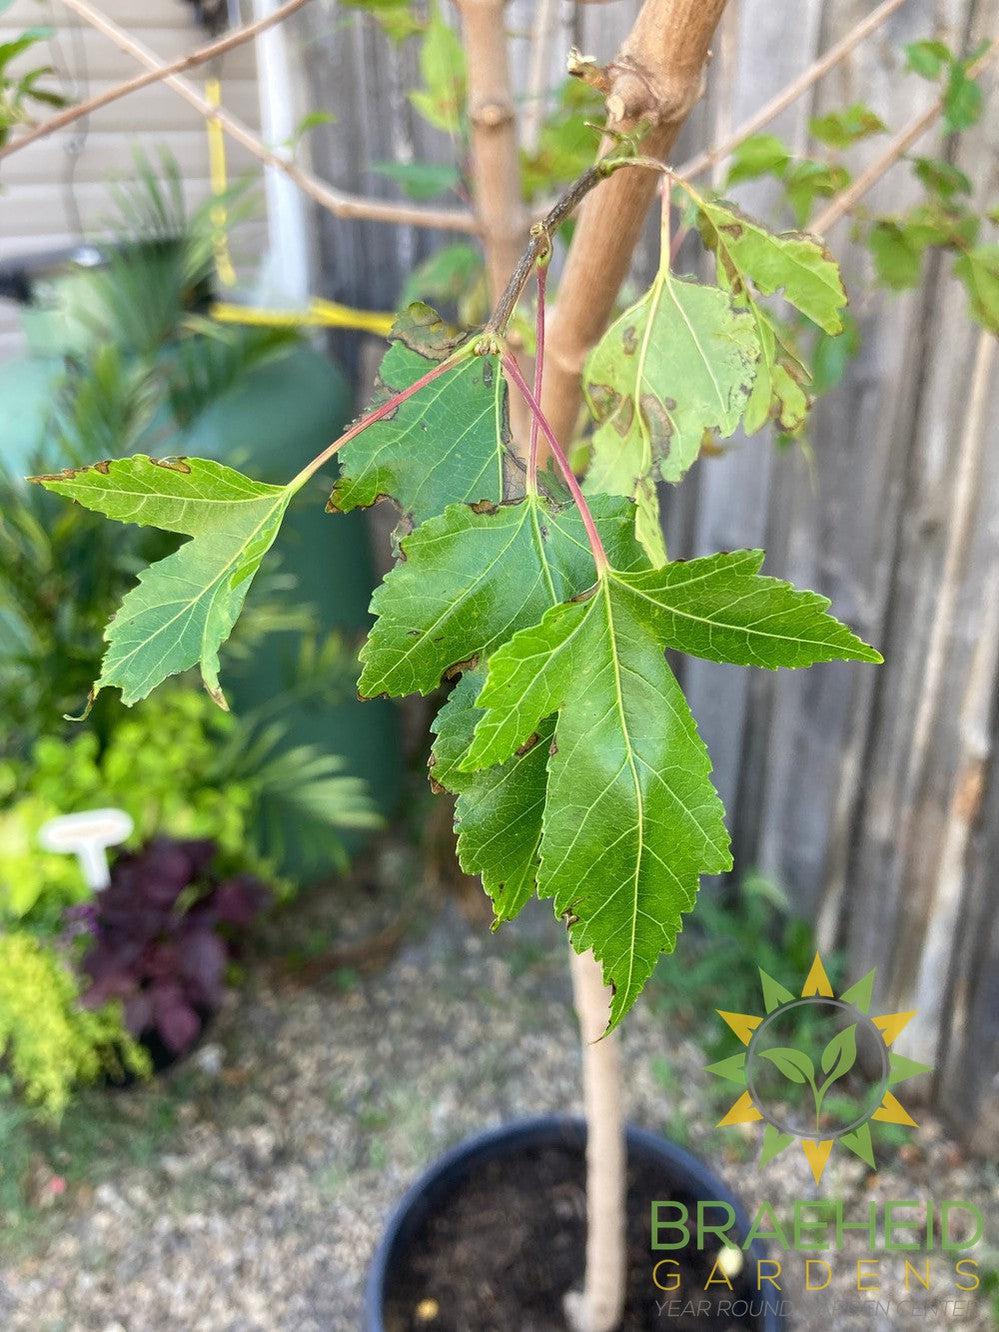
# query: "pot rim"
{"type": "Point", "coordinates": [443, 1174]}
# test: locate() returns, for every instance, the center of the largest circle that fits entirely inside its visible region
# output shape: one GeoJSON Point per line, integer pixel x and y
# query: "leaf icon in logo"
{"type": "Point", "coordinates": [840, 1054]}
{"type": "Point", "coordinates": [794, 1064]}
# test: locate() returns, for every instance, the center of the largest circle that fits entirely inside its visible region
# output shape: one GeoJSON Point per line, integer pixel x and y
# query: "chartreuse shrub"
{"type": "Point", "coordinates": [576, 761]}
{"type": "Point", "coordinates": [48, 1041]}
{"type": "Point", "coordinates": [180, 767]}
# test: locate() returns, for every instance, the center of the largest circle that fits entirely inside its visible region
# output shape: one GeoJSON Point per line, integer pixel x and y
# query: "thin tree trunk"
{"type": "Point", "coordinates": [656, 76]}
{"type": "Point", "coordinates": [598, 1308]}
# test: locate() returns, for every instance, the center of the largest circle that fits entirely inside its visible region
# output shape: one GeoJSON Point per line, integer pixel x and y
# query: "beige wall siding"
{"type": "Point", "coordinates": [45, 188]}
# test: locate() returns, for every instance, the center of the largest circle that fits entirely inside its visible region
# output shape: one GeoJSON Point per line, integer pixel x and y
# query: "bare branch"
{"type": "Point", "coordinates": [334, 201]}
{"type": "Point", "coordinates": [789, 95]}
{"type": "Point", "coordinates": [199, 57]}
{"type": "Point", "coordinates": [897, 148]}
{"type": "Point", "coordinates": [495, 153]}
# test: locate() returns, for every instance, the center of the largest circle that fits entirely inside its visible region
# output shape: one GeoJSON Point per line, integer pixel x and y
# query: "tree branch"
{"type": "Point", "coordinates": [787, 96]}
{"type": "Point", "coordinates": [656, 78]}
{"type": "Point", "coordinates": [495, 156]}
{"type": "Point", "coordinates": [334, 201]}
{"type": "Point", "coordinates": [495, 153]}
{"type": "Point", "coordinates": [199, 57]}
{"type": "Point", "coordinates": [897, 148]}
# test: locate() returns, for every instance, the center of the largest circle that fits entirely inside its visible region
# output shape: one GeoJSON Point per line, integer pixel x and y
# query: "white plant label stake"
{"type": "Point", "coordinates": [87, 836]}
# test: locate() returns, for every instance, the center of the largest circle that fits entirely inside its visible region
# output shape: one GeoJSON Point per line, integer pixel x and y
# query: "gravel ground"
{"type": "Point", "coordinates": [313, 1106]}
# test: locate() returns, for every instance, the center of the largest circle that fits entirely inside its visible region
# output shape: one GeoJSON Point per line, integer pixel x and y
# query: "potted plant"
{"type": "Point", "coordinates": [545, 604]}
{"type": "Point", "coordinates": [576, 762]}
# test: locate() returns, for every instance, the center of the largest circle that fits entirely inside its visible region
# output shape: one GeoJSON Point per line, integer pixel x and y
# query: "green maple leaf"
{"type": "Point", "coordinates": [792, 262]}
{"type": "Point", "coordinates": [472, 576]}
{"type": "Point", "coordinates": [677, 363]}
{"type": "Point", "coordinates": [721, 608]}
{"type": "Point", "coordinates": [184, 606]}
{"type": "Point", "coordinates": [445, 444]}
{"type": "Point", "coordinates": [631, 820]}
{"type": "Point", "coordinates": [498, 811]}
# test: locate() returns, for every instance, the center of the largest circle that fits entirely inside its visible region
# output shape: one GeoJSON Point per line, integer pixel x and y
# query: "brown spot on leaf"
{"type": "Point", "coordinates": [603, 399]}
{"type": "Point", "coordinates": [68, 473]}
{"type": "Point", "coordinates": [170, 464]}
{"type": "Point", "coordinates": [217, 697]}
{"type": "Point", "coordinates": [469, 664]}
{"type": "Point", "coordinates": [657, 415]}
{"type": "Point", "coordinates": [484, 506]}
{"type": "Point", "coordinates": [622, 420]}
{"type": "Point", "coordinates": [528, 745]}
{"type": "Point", "coordinates": [630, 340]}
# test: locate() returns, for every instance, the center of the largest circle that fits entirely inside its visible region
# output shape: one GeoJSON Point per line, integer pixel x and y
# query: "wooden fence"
{"type": "Point", "coordinates": [871, 794]}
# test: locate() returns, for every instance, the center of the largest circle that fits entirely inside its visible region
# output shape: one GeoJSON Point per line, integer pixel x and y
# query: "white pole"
{"type": "Point", "coordinates": [288, 268]}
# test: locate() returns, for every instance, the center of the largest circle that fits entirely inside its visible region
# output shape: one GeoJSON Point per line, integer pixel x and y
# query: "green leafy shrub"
{"type": "Point", "coordinates": [180, 767]}
{"type": "Point", "coordinates": [48, 1041]}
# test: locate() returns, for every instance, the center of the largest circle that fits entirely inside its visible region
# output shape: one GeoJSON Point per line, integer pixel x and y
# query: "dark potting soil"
{"type": "Point", "coordinates": [511, 1239]}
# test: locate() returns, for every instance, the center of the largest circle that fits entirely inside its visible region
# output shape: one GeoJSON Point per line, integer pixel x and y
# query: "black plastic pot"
{"type": "Point", "coordinates": [433, 1190]}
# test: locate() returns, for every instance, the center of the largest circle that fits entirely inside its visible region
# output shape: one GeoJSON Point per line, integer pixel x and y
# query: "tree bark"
{"type": "Point", "coordinates": [598, 1308]}
{"type": "Point", "coordinates": [495, 152]}
{"type": "Point", "coordinates": [503, 219]}
{"type": "Point", "coordinates": [657, 77]}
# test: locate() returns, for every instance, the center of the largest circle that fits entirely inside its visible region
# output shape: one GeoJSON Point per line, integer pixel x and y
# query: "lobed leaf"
{"type": "Point", "coordinates": [445, 444]}
{"type": "Point", "coordinates": [840, 129]}
{"type": "Point", "coordinates": [792, 263]}
{"type": "Point", "coordinates": [472, 576]}
{"type": "Point", "coordinates": [759, 155]}
{"type": "Point", "coordinates": [631, 819]}
{"type": "Point", "coordinates": [778, 388]}
{"type": "Point", "coordinates": [721, 608]}
{"type": "Point", "coordinates": [184, 606]}
{"type": "Point", "coordinates": [498, 810]}
{"type": "Point", "coordinates": [677, 363]}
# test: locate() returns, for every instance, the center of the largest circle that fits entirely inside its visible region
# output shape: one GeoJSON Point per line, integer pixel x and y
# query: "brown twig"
{"type": "Point", "coordinates": [199, 57]}
{"type": "Point", "coordinates": [897, 148]}
{"type": "Point", "coordinates": [334, 201]}
{"type": "Point", "coordinates": [790, 94]}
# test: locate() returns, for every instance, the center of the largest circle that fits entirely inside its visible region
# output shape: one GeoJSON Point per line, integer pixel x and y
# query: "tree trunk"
{"type": "Point", "coordinates": [598, 1308]}
{"type": "Point", "coordinates": [657, 76]}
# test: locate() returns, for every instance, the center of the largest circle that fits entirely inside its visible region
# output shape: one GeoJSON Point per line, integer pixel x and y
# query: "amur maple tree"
{"type": "Point", "coordinates": [547, 605]}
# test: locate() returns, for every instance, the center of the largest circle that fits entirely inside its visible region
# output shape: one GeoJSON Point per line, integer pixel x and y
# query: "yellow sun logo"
{"type": "Point", "coordinates": [818, 1068]}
